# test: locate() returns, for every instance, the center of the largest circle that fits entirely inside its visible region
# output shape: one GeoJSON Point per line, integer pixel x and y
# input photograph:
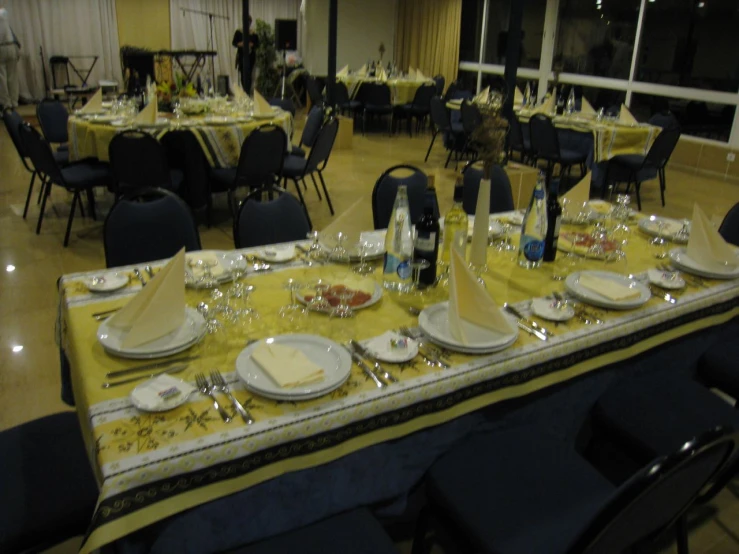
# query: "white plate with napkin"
{"type": "Point", "coordinates": [294, 367]}
{"type": "Point", "coordinates": [276, 253]}
{"type": "Point", "coordinates": [670, 228]}
{"type": "Point", "coordinates": [160, 394]}
{"type": "Point", "coordinates": [383, 348]}
{"type": "Point", "coordinates": [607, 290]}
{"type": "Point", "coordinates": [216, 259]}
{"type": "Point", "coordinates": [106, 282]}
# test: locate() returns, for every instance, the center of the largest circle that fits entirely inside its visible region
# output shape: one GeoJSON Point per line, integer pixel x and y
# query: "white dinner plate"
{"type": "Point", "coordinates": [591, 297]}
{"type": "Point", "coordinates": [374, 299]}
{"type": "Point", "coordinates": [381, 347]}
{"type": "Point", "coordinates": [104, 118]}
{"type": "Point", "coordinates": [650, 226]}
{"type": "Point", "coordinates": [218, 120]}
{"type": "Point", "coordinates": [158, 124]}
{"type": "Point", "coordinates": [278, 254]}
{"type": "Point", "coordinates": [375, 250]}
{"type": "Point", "coordinates": [144, 400]}
{"type": "Point", "coordinates": [106, 282]}
{"type": "Point", "coordinates": [271, 115]}
{"type": "Point", "coordinates": [185, 336]}
{"type": "Point", "coordinates": [330, 356]}
{"type": "Point", "coordinates": [495, 227]}
{"type": "Point", "coordinates": [512, 218]}
{"type": "Point", "coordinates": [120, 123]}
{"type": "Point", "coordinates": [665, 279]}
{"type": "Point", "coordinates": [545, 309]}
{"type": "Point", "coordinates": [681, 260]}
{"type": "Point", "coordinates": [221, 271]}
{"type": "Point", "coordinates": [434, 322]}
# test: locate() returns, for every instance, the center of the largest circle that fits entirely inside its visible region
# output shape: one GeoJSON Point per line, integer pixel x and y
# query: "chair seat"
{"type": "Point", "coordinates": [294, 166]}
{"type": "Point", "coordinates": [297, 151]}
{"type": "Point", "coordinates": [356, 532]}
{"type": "Point", "coordinates": [517, 491]}
{"type": "Point", "coordinates": [570, 157]}
{"type": "Point", "coordinates": [457, 127]}
{"type": "Point", "coordinates": [63, 148]}
{"type": "Point", "coordinates": [632, 162]}
{"type": "Point", "coordinates": [658, 413]}
{"type": "Point", "coordinates": [87, 175]}
{"type": "Point", "coordinates": [413, 109]}
{"type": "Point", "coordinates": [350, 105]}
{"type": "Point", "coordinates": [222, 179]}
{"type": "Point", "coordinates": [719, 366]}
{"type": "Point", "coordinates": [378, 108]}
{"type": "Point", "coordinates": [47, 476]}
{"type": "Point", "coordinates": [628, 167]}
{"type": "Point", "coordinates": [61, 156]}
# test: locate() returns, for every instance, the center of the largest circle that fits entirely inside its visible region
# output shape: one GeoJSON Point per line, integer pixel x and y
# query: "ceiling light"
{"type": "Point", "coordinates": [17, 348]}
{"type": "Point", "coordinates": [10, 268]}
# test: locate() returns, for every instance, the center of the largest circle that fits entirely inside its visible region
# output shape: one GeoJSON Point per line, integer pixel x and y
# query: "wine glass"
{"type": "Point", "coordinates": [202, 271]}
{"type": "Point", "coordinates": [236, 264]}
{"type": "Point", "coordinates": [599, 234]}
{"type": "Point", "coordinates": [363, 268]}
{"type": "Point", "coordinates": [339, 252]}
{"type": "Point", "coordinates": [293, 315]}
{"type": "Point", "coordinates": [319, 303]}
{"type": "Point", "coordinates": [315, 252]}
{"type": "Point", "coordinates": [565, 265]}
{"type": "Point", "coordinates": [659, 244]}
{"type": "Point", "coordinates": [684, 233]}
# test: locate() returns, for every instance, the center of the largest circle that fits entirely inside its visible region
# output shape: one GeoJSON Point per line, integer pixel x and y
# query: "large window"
{"type": "Point", "coordinates": [471, 32]}
{"type": "Point", "coordinates": [497, 32]}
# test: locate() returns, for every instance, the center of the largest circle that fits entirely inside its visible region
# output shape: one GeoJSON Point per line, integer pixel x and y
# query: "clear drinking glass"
{"type": "Point", "coordinates": [315, 251]}
{"type": "Point", "coordinates": [319, 303]}
{"type": "Point", "coordinates": [363, 268]}
{"type": "Point", "coordinates": [417, 266]}
{"type": "Point", "coordinates": [339, 252]}
{"type": "Point", "coordinates": [658, 244]}
{"type": "Point", "coordinates": [236, 264]}
{"type": "Point", "coordinates": [294, 316]}
{"type": "Point", "coordinates": [202, 272]}
{"type": "Point", "coordinates": [565, 264]}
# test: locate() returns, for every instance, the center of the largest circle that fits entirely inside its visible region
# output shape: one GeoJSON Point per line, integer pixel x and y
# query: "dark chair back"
{"type": "Point", "coordinates": [614, 110]}
{"type": "Point", "coordinates": [376, 95]}
{"type": "Point", "coordinates": [318, 157]}
{"type": "Point", "coordinates": [261, 158]}
{"type": "Point", "coordinates": [284, 103]}
{"type": "Point", "coordinates": [471, 117]}
{"type": "Point", "coordinates": [13, 122]}
{"type": "Point", "coordinates": [312, 125]}
{"type": "Point", "coordinates": [439, 82]}
{"type": "Point", "coordinates": [148, 225]}
{"type": "Point", "coordinates": [269, 222]}
{"type": "Point", "coordinates": [53, 116]}
{"type": "Point", "coordinates": [138, 161]}
{"type": "Point", "coordinates": [386, 189]}
{"type": "Point", "coordinates": [656, 496]}
{"type": "Point", "coordinates": [662, 147]}
{"type": "Point", "coordinates": [501, 196]}
{"type": "Point", "coordinates": [544, 139]}
{"type": "Point", "coordinates": [314, 91]}
{"type": "Point", "coordinates": [440, 115]}
{"type": "Point", "coordinates": [515, 135]}
{"type": "Point", "coordinates": [730, 226]}
{"type": "Point", "coordinates": [666, 120]}
{"type": "Point", "coordinates": [342, 93]}
{"type": "Point", "coordinates": [39, 150]}
{"type": "Point", "coordinates": [423, 96]}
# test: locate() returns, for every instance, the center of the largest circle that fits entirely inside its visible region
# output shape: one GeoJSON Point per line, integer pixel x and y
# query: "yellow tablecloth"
{"type": "Point", "coordinates": [221, 143]}
{"type": "Point", "coordinates": [151, 466]}
{"type": "Point", "coordinates": [402, 91]}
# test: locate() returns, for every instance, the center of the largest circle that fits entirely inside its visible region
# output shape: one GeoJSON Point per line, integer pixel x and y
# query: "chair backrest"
{"type": "Point", "coordinates": [40, 153]}
{"type": "Point", "coordinates": [53, 116]}
{"type": "Point", "coordinates": [318, 157]}
{"type": "Point", "coordinates": [656, 496]}
{"type": "Point", "coordinates": [662, 147]}
{"type": "Point", "coordinates": [13, 122]}
{"type": "Point", "coordinates": [423, 96]}
{"type": "Point", "coordinates": [439, 114]}
{"type": "Point", "coordinates": [471, 117]}
{"type": "Point", "coordinates": [313, 124]}
{"type": "Point", "coordinates": [439, 82]}
{"type": "Point", "coordinates": [614, 110]}
{"type": "Point", "coordinates": [386, 189]}
{"type": "Point", "coordinates": [730, 226]}
{"type": "Point", "coordinates": [341, 92]}
{"type": "Point", "coordinates": [284, 103]}
{"type": "Point", "coordinates": [515, 136]}
{"type": "Point", "coordinates": [544, 139]}
{"type": "Point", "coordinates": [261, 158]}
{"type": "Point", "coordinates": [376, 94]}
{"type": "Point", "coordinates": [148, 225]}
{"type": "Point", "coordinates": [269, 222]}
{"type": "Point", "coordinates": [666, 120]}
{"type": "Point", "coordinates": [501, 196]}
{"type": "Point", "coordinates": [138, 161]}
{"type": "Point", "coordinates": [314, 91]}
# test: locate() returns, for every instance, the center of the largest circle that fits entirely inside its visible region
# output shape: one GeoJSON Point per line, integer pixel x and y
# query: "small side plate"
{"type": "Point", "coordinates": [381, 348]}
{"type": "Point", "coordinates": [106, 282]}
{"type": "Point", "coordinates": [545, 309]}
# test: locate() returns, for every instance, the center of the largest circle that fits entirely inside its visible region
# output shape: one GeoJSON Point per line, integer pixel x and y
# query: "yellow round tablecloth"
{"type": "Point", "coordinates": [402, 91]}
{"type": "Point", "coordinates": [221, 143]}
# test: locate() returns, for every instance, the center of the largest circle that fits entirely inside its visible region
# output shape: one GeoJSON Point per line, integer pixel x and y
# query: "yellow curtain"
{"type": "Point", "coordinates": [427, 36]}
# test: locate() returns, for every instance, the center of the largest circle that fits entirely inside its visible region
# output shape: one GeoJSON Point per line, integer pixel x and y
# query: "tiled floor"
{"type": "Point", "coordinates": [31, 264]}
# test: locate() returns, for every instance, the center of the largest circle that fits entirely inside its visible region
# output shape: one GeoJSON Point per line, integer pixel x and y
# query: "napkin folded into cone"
{"type": "Point", "coordinates": [480, 228]}
{"type": "Point", "coordinates": [547, 107]}
{"type": "Point", "coordinates": [238, 92]}
{"type": "Point", "coordinates": [147, 116]}
{"type": "Point", "coordinates": [482, 97]}
{"type": "Point", "coordinates": [158, 309]}
{"type": "Point", "coordinates": [362, 71]}
{"type": "Point", "coordinates": [381, 75]}
{"type": "Point", "coordinates": [287, 366]}
{"type": "Point", "coordinates": [355, 219]}
{"type": "Point", "coordinates": [586, 107]}
{"type": "Point", "coordinates": [94, 104]}
{"type": "Point", "coordinates": [470, 303]}
{"type": "Point", "coordinates": [343, 72]}
{"type": "Point", "coordinates": [517, 96]}
{"type": "Point", "coordinates": [261, 106]}
{"type": "Point", "coordinates": [625, 116]}
{"type": "Point", "coordinates": [580, 193]}
{"type": "Point", "coordinates": [705, 245]}
{"type": "Point", "coordinates": [616, 292]}
{"type": "Point", "coordinates": [420, 76]}
{"type": "Point", "coordinates": [411, 74]}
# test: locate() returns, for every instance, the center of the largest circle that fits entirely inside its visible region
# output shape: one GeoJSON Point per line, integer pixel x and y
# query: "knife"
{"type": "Point", "coordinates": [170, 371]}
{"type": "Point", "coordinates": [140, 277]}
{"type": "Point", "coordinates": [526, 320]}
{"type": "Point", "coordinates": [362, 351]}
{"type": "Point", "coordinates": [153, 365]}
{"type": "Point", "coordinates": [663, 295]}
{"type": "Point", "coordinates": [364, 367]}
{"type": "Point", "coordinates": [530, 331]}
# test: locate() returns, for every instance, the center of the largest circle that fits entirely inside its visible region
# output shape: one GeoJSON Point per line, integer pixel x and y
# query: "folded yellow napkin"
{"type": "Point", "coordinates": [517, 96]}
{"type": "Point", "coordinates": [586, 107]}
{"type": "Point", "coordinates": [479, 247]}
{"type": "Point", "coordinates": [261, 106]}
{"type": "Point", "coordinates": [482, 97]}
{"type": "Point", "coordinates": [362, 71]}
{"type": "Point", "coordinates": [158, 309]}
{"type": "Point", "coordinates": [287, 366]}
{"type": "Point", "coordinates": [238, 92]}
{"type": "Point", "coordinates": [381, 74]}
{"type": "Point", "coordinates": [147, 116]}
{"type": "Point", "coordinates": [94, 104]}
{"type": "Point", "coordinates": [669, 226]}
{"type": "Point", "coordinates": [580, 193]}
{"type": "Point", "coordinates": [548, 106]}
{"type": "Point", "coordinates": [706, 245]}
{"type": "Point", "coordinates": [343, 72]}
{"type": "Point", "coordinates": [411, 74]}
{"type": "Point", "coordinates": [420, 76]}
{"type": "Point", "coordinates": [625, 116]}
{"type": "Point", "coordinates": [470, 302]}
{"type": "Point", "coordinates": [615, 292]}
{"type": "Point", "coordinates": [210, 258]}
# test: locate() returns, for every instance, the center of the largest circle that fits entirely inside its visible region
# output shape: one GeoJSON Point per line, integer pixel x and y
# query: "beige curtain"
{"type": "Point", "coordinates": [428, 36]}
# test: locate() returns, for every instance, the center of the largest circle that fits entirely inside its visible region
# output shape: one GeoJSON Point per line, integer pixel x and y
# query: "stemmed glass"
{"type": "Point", "coordinates": [417, 266]}
{"type": "Point", "coordinates": [237, 266]}
{"type": "Point", "coordinates": [659, 243]}
{"type": "Point", "coordinates": [363, 268]}
{"type": "Point", "coordinates": [599, 234]}
{"type": "Point", "coordinates": [315, 251]}
{"type": "Point", "coordinates": [564, 265]}
{"type": "Point", "coordinates": [339, 252]}
{"type": "Point", "coordinates": [504, 246]}
{"type": "Point", "coordinates": [684, 233]}
{"type": "Point", "coordinates": [294, 314]}
{"type": "Point", "coordinates": [319, 303]}
{"type": "Point", "coordinates": [204, 267]}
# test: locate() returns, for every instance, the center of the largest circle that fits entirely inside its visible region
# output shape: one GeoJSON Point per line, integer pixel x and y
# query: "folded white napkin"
{"type": "Point", "coordinates": [615, 292]}
{"type": "Point", "coordinates": [420, 76]}
{"type": "Point", "coordinates": [706, 245]}
{"type": "Point", "coordinates": [411, 74]}
{"type": "Point", "coordinates": [261, 106]}
{"type": "Point", "coordinates": [479, 248]}
{"type": "Point", "coordinates": [517, 96]}
{"type": "Point", "coordinates": [548, 106]}
{"type": "Point", "coordinates": [469, 302]}
{"type": "Point", "coordinates": [586, 107]}
{"type": "Point", "coordinates": [287, 366]}
{"type": "Point", "coordinates": [147, 116]}
{"type": "Point", "coordinates": [94, 104]}
{"type": "Point", "coordinates": [162, 390]}
{"type": "Point", "coordinates": [158, 309]}
{"type": "Point", "coordinates": [210, 258]}
{"type": "Point", "coordinates": [580, 193]}
{"type": "Point", "coordinates": [238, 92]}
{"type": "Point", "coordinates": [381, 75]}
{"type": "Point", "coordinates": [343, 72]}
{"type": "Point", "coordinates": [625, 116]}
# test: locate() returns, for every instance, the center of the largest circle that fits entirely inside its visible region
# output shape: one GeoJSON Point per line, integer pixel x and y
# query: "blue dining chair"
{"type": "Point", "coordinates": [52, 115]}
{"type": "Point", "coordinates": [501, 196]}
{"type": "Point", "coordinates": [13, 122]}
{"type": "Point", "coordinates": [313, 124]}
{"type": "Point", "coordinates": [261, 222]}
{"type": "Point", "coordinates": [729, 228]}
{"type": "Point", "coordinates": [386, 189]}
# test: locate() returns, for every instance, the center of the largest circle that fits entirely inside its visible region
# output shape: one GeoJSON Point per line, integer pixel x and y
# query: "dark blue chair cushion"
{"type": "Point", "coordinates": [719, 365]}
{"type": "Point", "coordinates": [378, 108]}
{"type": "Point", "coordinates": [501, 196]}
{"type": "Point", "coordinates": [46, 483]}
{"type": "Point", "coordinates": [356, 532]}
{"type": "Point", "coordinates": [518, 491]}
{"type": "Point", "coordinates": [351, 105]}
{"type": "Point", "coordinates": [657, 413]}
{"type": "Point", "coordinates": [570, 157]}
{"type": "Point", "coordinates": [622, 168]}
{"type": "Point", "coordinates": [270, 222]}
{"type": "Point", "coordinates": [457, 127]}
{"type": "Point", "coordinates": [61, 156]}
{"type": "Point", "coordinates": [222, 179]}
{"type": "Point", "coordinates": [86, 175]}
{"type": "Point", "coordinates": [294, 166]}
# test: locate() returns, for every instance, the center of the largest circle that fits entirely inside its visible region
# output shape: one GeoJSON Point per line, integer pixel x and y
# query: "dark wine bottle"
{"type": "Point", "coordinates": [427, 244]}
{"type": "Point", "coordinates": [554, 217]}
{"type": "Point", "coordinates": [560, 100]}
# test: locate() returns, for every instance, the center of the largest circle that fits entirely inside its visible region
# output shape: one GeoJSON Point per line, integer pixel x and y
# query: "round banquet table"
{"type": "Point", "coordinates": [402, 91]}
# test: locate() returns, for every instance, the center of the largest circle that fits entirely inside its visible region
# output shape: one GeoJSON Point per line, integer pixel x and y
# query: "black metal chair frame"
{"type": "Point", "coordinates": [422, 101]}
{"type": "Point", "coordinates": [442, 127]}
{"type": "Point", "coordinates": [554, 159]}
{"type": "Point", "coordinates": [471, 120]}
{"type": "Point", "coordinates": [516, 142]}
{"type": "Point", "coordinates": [366, 91]}
{"type": "Point", "coordinates": [25, 158]}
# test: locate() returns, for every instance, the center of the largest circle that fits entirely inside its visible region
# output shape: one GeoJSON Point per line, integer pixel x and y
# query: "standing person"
{"type": "Point", "coordinates": [9, 54]}
{"type": "Point", "coordinates": [238, 42]}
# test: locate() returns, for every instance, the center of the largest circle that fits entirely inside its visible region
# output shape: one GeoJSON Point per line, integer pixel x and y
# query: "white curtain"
{"type": "Point", "coordinates": [79, 28]}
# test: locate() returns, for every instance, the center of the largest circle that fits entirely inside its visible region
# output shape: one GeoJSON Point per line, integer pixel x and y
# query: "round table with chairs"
{"type": "Point", "coordinates": [402, 90]}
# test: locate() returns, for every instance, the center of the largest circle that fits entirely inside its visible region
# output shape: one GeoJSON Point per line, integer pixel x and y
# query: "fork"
{"type": "Point", "coordinates": [219, 384]}
{"type": "Point", "coordinates": [204, 387]}
{"type": "Point", "coordinates": [430, 353]}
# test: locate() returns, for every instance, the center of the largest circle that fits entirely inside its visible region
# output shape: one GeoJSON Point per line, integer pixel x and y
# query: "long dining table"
{"type": "Point", "coordinates": [153, 466]}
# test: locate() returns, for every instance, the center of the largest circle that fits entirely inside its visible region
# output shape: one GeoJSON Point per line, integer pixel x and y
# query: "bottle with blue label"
{"type": "Point", "coordinates": [398, 245]}
{"type": "Point", "coordinates": [534, 228]}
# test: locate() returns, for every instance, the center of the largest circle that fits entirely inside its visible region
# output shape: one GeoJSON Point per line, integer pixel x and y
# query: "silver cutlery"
{"type": "Point", "coordinates": [667, 297]}
{"type": "Point", "coordinates": [580, 311]}
{"type": "Point", "coordinates": [362, 351]}
{"type": "Point", "coordinates": [364, 367]}
{"type": "Point", "coordinates": [169, 371]}
{"type": "Point", "coordinates": [692, 280]}
{"type": "Point", "coordinates": [428, 352]}
{"type": "Point", "coordinates": [219, 383]}
{"type": "Point", "coordinates": [153, 365]}
{"type": "Point", "coordinates": [149, 270]}
{"type": "Point", "coordinates": [530, 322]}
{"type": "Point", "coordinates": [206, 390]}
{"type": "Point", "coordinates": [139, 276]}
{"type": "Point", "coordinates": [533, 332]}
{"type": "Point", "coordinates": [106, 313]}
